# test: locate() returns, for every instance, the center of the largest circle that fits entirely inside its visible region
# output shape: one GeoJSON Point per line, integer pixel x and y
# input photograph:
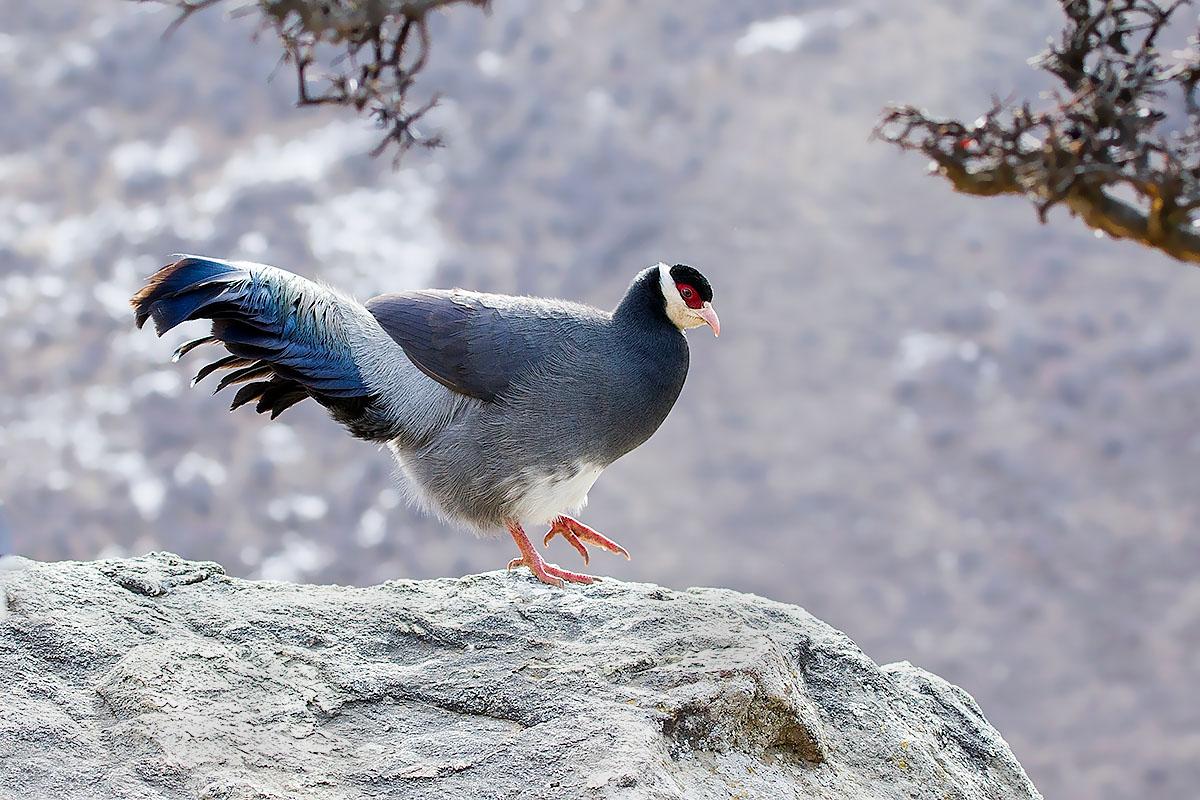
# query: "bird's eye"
{"type": "Point", "coordinates": [689, 294]}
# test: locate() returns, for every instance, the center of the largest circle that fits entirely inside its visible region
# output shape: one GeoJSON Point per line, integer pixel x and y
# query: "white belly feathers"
{"type": "Point", "coordinates": [547, 496]}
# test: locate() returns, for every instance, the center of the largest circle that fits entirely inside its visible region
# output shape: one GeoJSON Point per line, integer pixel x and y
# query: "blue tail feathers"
{"type": "Point", "coordinates": [182, 290]}
{"type": "Point", "coordinates": [281, 331]}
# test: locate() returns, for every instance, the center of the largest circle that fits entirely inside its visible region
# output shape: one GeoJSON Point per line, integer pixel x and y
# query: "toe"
{"type": "Point", "coordinates": [572, 540]}
{"type": "Point", "coordinates": [592, 536]}
{"type": "Point", "coordinates": [579, 548]}
{"type": "Point", "coordinates": [567, 575]}
{"type": "Point", "coordinates": [551, 580]}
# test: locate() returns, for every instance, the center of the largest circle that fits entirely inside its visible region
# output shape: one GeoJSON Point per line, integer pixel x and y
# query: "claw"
{"type": "Point", "coordinates": [576, 533]}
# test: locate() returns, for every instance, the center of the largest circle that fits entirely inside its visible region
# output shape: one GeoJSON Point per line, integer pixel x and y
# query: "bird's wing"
{"type": "Point", "coordinates": [475, 344]}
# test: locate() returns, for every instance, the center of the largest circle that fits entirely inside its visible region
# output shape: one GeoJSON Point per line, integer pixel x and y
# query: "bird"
{"type": "Point", "coordinates": [500, 410]}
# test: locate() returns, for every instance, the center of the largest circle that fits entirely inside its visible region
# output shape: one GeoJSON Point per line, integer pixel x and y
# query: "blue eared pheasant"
{"type": "Point", "coordinates": [500, 410]}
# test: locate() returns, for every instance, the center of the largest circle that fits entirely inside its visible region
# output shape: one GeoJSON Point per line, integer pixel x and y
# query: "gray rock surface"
{"type": "Point", "coordinates": [157, 677]}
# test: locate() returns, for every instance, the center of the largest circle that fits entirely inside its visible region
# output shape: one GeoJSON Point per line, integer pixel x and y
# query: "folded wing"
{"type": "Point", "coordinates": [474, 344]}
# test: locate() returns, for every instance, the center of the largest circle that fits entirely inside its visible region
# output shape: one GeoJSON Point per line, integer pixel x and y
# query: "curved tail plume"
{"type": "Point", "coordinates": [286, 336]}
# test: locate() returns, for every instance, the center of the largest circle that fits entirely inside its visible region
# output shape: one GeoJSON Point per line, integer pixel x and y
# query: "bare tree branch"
{"type": "Point", "coordinates": [362, 54]}
{"type": "Point", "coordinates": [1119, 145]}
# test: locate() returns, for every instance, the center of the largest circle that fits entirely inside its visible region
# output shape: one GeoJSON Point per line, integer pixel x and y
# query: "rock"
{"type": "Point", "coordinates": [160, 678]}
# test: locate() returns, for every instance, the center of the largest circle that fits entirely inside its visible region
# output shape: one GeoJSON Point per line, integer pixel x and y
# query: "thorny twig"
{"type": "Point", "coordinates": [380, 45]}
{"type": "Point", "coordinates": [1107, 147]}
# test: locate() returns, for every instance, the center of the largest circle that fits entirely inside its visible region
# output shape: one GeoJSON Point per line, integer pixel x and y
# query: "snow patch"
{"type": "Point", "coordinates": [147, 494]}
{"type": "Point", "coordinates": [372, 527]}
{"type": "Point", "coordinates": [164, 382]}
{"type": "Point", "coordinates": [170, 158]}
{"type": "Point", "coordinates": [920, 349]}
{"type": "Point", "coordinates": [376, 239]}
{"type": "Point", "coordinates": [299, 557]}
{"type": "Point", "coordinates": [305, 507]}
{"type": "Point", "coordinates": [787, 33]}
{"type": "Point", "coordinates": [490, 63]}
{"type": "Point", "coordinates": [268, 160]}
{"type": "Point", "coordinates": [280, 444]}
{"type": "Point", "coordinates": [193, 466]}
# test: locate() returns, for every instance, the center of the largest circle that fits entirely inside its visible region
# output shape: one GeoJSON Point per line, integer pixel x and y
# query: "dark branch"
{"type": "Point", "coordinates": [1109, 146]}
{"type": "Point", "coordinates": [362, 54]}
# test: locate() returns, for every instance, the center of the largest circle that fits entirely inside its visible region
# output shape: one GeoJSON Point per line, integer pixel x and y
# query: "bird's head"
{"type": "Point", "coordinates": [688, 297]}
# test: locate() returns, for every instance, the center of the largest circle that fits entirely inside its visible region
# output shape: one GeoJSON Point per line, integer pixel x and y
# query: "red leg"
{"type": "Point", "coordinates": [576, 533]}
{"type": "Point", "coordinates": [546, 573]}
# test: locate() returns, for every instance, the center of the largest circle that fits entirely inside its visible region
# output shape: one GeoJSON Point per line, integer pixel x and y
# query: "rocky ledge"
{"type": "Point", "coordinates": [156, 677]}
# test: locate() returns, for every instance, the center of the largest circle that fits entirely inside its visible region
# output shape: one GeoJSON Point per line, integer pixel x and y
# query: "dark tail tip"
{"type": "Point", "coordinates": [145, 297]}
{"type": "Point", "coordinates": [180, 290]}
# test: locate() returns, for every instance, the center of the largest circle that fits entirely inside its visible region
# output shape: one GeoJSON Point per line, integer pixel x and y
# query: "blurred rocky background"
{"type": "Point", "coordinates": [963, 438]}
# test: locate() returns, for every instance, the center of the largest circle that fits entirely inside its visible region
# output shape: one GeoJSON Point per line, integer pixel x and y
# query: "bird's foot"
{"type": "Point", "coordinates": [546, 573]}
{"type": "Point", "coordinates": [551, 573]}
{"type": "Point", "coordinates": [576, 534]}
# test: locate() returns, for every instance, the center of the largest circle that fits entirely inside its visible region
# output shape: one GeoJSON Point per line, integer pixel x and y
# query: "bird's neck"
{"type": "Point", "coordinates": [643, 306]}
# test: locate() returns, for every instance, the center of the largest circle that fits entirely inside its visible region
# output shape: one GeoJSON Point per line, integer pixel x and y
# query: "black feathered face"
{"type": "Point", "coordinates": [688, 297]}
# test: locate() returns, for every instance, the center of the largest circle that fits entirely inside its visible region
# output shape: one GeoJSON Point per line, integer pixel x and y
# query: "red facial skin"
{"type": "Point", "coordinates": [689, 294]}
{"type": "Point", "coordinates": [703, 310]}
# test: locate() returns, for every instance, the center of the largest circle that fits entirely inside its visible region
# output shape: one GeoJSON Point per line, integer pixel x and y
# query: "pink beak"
{"type": "Point", "coordinates": [709, 315]}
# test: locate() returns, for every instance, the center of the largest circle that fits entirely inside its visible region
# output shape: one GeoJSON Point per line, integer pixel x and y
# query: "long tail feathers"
{"type": "Point", "coordinates": [182, 290]}
{"type": "Point", "coordinates": [276, 327]}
